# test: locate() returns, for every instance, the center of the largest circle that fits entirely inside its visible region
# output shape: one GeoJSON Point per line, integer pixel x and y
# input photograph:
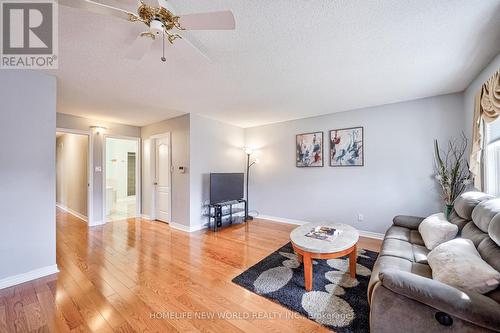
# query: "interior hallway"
{"type": "Point", "coordinates": [114, 276]}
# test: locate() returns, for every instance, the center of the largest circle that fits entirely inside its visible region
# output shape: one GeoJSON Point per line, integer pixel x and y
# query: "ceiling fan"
{"type": "Point", "coordinates": [161, 21]}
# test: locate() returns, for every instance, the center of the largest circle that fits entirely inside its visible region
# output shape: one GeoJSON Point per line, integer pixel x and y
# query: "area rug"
{"type": "Point", "coordinates": [336, 301]}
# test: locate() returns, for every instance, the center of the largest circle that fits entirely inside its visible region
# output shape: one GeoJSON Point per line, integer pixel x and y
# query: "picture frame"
{"type": "Point", "coordinates": [347, 147]}
{"type": "Point", "coordinates": [309, 153]}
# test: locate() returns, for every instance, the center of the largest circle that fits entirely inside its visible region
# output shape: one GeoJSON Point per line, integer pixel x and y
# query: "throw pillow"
{"type": "Point", "coordinates": [436, 230]}
{"type": "Point", "coordinates": [458, 263]}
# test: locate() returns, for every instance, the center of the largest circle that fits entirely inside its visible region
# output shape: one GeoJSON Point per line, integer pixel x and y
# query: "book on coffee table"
{"type": "Point", "coordinates": [323, 233]}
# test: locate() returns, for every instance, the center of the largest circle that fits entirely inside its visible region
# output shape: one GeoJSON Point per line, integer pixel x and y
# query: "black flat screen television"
{"type": "Point", "coordinates": [226, 187]}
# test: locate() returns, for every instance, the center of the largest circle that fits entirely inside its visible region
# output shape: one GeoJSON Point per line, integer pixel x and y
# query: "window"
{"type": "Point", "coordinates": [492, 158]}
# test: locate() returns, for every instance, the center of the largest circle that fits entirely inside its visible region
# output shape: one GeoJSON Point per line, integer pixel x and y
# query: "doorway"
{"type": "Point", "coordinates": [73, 183]}
{"type": "Point", "coordinates": [121, 174]}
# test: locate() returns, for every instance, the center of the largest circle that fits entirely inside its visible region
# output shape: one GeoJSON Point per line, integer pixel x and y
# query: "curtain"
{"type": "Point", "coordinates": [486, 110]}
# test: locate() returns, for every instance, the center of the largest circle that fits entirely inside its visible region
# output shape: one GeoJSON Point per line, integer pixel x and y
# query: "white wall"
{"type": "Point", "coordinates": [472, 90]}
{"type": "Point", "coordinates": [397, 177]}
{"type": "Point", "coordinates": [67, 121]}
{"type": "Point", "coordinates": [178, 128]}
{"type": "Point", "coordinates": [27, 169]}
{"type": "Point", "coordinates": [71, 174]}
{"type": "Point", "coordinates": [215, 147]}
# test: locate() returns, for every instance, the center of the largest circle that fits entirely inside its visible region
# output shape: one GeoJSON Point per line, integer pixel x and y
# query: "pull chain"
{"type": "Point", "coordinates": [163, 58]}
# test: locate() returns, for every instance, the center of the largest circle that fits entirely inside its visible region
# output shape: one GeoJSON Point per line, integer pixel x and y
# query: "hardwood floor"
{"type": "Point", "coordinates": [142, 276]}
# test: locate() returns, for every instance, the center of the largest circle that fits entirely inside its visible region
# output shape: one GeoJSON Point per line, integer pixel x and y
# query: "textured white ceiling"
{"type": "Point", "coordinates": [287, 59]}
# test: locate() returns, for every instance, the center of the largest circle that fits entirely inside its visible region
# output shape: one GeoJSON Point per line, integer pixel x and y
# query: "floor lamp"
{"type": "Point", "coordinates": [249, 152]}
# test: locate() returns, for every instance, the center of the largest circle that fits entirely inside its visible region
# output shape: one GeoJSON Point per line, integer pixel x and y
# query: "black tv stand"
{"type": "Point", "coordinates": [226, 213]}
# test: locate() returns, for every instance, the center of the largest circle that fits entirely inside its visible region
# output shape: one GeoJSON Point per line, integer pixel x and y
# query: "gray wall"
{"type": "Point", "coordinates": [72, 170]}
{"type": "Point", "coordinates": [473, 88]}
{"type": "Point", "coordinates": [179, 129]}
{"type": "Point", "coordinates": [27, 187]}
{"type": "Point", "coordinates": [83, 124]}
{"type": "Point", "coordinates": [215, 147]}
{"type": "Point", "coordinates": [397, 177]}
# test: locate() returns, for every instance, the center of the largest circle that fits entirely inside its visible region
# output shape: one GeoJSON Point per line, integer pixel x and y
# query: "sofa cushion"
{"type": "Point", "coordinates": [416, 238]}
{"type": "Point", "coordinates": [494, 229]}
{"type": "Point", "coordinates": [458, 263]}
{"type": "Point", "coordinates": [420, 253]}
{"type": "Point", "coordinates": [402, 233]}
{"type": "Point", "coordinates": [397, 232]}
{"type": "Point", "coordinates": [435, 230]}
{"type": "Point", "coordinates": [457, 220]}
{"type": "Point", "coordinates": [484, 213]}
{"type": "Point", "coordinates": [466, 202]}
{"type": "Point", "coordinates": [470, 231]}
{"type": "Point", "coordinates": [490, 252]}
{"type": "Point", "coordinates": [397, 248]}
{"type": "Point", "coordinates": [405, 250]}
{"type": "Point", "coordinates": [390, 262]}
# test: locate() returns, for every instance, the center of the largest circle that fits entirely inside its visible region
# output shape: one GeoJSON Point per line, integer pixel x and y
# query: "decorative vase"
{"type": "Point", "coordinates": [447, 210]}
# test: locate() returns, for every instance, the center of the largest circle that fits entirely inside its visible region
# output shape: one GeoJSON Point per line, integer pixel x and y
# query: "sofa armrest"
{"type": "Point", "coordinates": [410, 222]}
{"type": "Point", "coordinates": [466, 305]}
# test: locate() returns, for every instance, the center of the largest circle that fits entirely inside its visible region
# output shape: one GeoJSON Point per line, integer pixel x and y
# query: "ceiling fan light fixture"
{"type": "Point", "coordinates": [156, 27]}
{"type": "Point", "coordinates": [160, 20]}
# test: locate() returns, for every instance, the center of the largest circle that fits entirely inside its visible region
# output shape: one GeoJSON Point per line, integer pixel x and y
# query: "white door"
{"type": "Point", "coordinates": [162, 179]}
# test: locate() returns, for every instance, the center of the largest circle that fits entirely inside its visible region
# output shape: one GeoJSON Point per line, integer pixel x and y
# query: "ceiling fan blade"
{"type": "Point", "coordinates": [185, 44]}
{"type": "Point", "coordinates": [139, 48]}
{"type": "Point", "coordinates": [98, 8]}
{"type": "Point", "coordinates": [223, 20]}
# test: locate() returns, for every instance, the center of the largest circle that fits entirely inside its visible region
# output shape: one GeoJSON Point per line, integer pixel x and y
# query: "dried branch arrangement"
{"type": "Point", "coordinates": [452, 168]}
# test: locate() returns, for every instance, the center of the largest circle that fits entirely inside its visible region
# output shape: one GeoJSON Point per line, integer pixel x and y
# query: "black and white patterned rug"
{"type": "Point", "coordinates": [337, 301]}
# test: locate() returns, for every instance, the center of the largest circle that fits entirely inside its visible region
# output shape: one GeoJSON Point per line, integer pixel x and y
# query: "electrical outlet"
{"type": "Point", "coordinates": [361, 217]}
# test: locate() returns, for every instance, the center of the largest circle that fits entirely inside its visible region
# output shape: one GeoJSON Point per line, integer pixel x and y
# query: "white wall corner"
{"type": "Point", "coordinates": [28, 276]}
{"type": "Point", "coordinates": [73, 212]}
{"type": "Point", "coordinates": [363, 233]}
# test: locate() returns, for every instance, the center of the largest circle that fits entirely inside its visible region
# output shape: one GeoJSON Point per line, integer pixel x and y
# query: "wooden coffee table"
{"type": "Point", "coordinates": [308, 248]}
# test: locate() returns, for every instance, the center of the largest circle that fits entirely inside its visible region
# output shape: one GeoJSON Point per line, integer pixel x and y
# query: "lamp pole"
{"type": "Point", "coordinates": [249, 152]}
{"type": "Point", "coordinates": [247, 217]}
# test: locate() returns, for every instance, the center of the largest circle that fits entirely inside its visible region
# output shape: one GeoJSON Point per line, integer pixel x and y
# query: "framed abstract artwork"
{"type": "Point", "coordinates": [347, 147]}
{"type": "Point", "coordinates": [309, 150]}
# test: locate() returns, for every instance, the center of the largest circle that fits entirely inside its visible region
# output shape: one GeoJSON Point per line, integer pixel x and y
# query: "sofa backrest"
{"type": "Point", "coordinates": [464, 206]}
{"type": "Point", "coordinates": [484, 231]}
{"type": "Point", "coordinates": [478, 215]}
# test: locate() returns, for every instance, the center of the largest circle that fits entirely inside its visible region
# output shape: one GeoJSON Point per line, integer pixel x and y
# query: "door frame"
{"type": "Point", "coordinates": [138, 163]}
{"type": "Point", "coordinates": [90, 174]}
{"type": "Point", "coordinates": [152, 169]}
